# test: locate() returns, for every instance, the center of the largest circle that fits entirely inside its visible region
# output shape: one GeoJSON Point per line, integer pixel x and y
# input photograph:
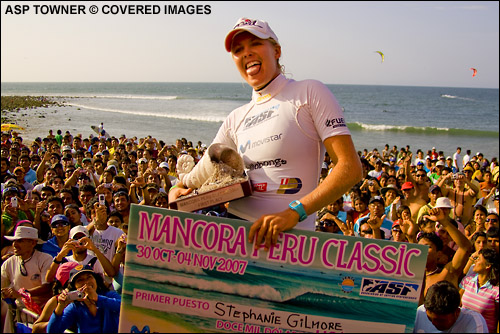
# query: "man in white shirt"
{"type": "Point", "coordinates": [441, 313]}
{"type": "Point", "coordinates": [457, 159]}
{"type": "Point", "coordinates": [466, 158]}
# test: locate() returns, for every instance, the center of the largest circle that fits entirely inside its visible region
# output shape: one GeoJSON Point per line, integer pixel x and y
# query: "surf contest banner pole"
{"type": "Point", "coordinates": [193, 273]}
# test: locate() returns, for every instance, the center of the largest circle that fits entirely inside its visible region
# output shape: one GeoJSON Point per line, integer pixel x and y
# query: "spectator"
{"type": "Point", "coordinates": [410, 200]}
{"type": "Point", "coordinates": [103, 236]}
{"type": "Point", "coordinates": [434, 194]}
{"type": "Point", "coordinates": [121, 201]}
{"type": "Point", "coordinates": [493, 236]}
{"type": "Point", "coordinates": [60, 226]}
{"type": "Point", "coordinates": [462, 200]}
{"type": "Point", "coordinates": [97, 311]}
{"type": "Point", "coordinates": [441, 312]}
{"type": "Point", "coordinates": [79, 243]}
{"type": "Point", "coordinates": [376, 217]}
{"type": "Point", "coordinates": [60, 283]}
{"type": "Point", "coordinates": [74, 215]}
{"type": "Point", "coordinates": [479, 290]}
{"type": "Point", "coordinates": [479, 241]}
{"type": "Point", "coordinates": [452, 270]}
{"type": "Point", "coordinates": [25, 271]}
{"type": "Point", "coordinates": [477, 223]}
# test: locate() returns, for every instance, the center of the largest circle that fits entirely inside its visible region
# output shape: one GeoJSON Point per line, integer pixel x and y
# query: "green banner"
{"type": "Point", "coordinates": [192, 273]}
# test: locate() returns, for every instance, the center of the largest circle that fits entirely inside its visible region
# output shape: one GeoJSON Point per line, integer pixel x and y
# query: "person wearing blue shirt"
{"type": "Point", "coordinates": [96, 309]}
{"type": "Point", "coordinates": [60, 227]}
{"type": "Point", "coordinates": [377, 210]}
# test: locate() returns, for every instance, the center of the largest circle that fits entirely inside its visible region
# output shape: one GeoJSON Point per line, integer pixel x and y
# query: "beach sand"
{"type": "Point", "coordinates": [38, 121]}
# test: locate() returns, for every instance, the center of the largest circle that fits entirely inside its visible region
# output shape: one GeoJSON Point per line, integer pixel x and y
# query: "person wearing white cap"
{"type": "Point", "coordinates": [79, 243]}
{"type": "Point", "coordinates": [300, 120]}
{"type": "Point", "coordinates": [27, 268]}
{"type": "Point", "coordinates": [436, 172]}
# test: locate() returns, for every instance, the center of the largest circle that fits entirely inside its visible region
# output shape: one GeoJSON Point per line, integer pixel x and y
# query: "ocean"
{"type": "Point", "coordinates": [422, 117]}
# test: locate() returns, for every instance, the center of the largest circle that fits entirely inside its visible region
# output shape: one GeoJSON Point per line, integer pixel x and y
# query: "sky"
{"type": "Point", "coordinates": [425, 43]}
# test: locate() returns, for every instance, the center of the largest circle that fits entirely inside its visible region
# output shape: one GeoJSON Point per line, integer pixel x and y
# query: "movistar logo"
{"type": "Point", "coordinates": [256, 143]}
{"type": "Point", "coordinates": [290, 186]}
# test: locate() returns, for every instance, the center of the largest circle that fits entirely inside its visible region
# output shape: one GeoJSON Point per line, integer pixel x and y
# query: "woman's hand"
{"type": "Point", "coordinates": [176, 192]}
{"type": "Point", "coordinates": [268, 228]}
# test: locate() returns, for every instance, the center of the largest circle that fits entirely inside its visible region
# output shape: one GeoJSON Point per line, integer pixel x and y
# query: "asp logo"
{"type": "Point", "coordinates": [261, 117]}
{"type": "Point", "coordinates": [389, 289]}
{"type": "Point", "coordinates": [290, 186]}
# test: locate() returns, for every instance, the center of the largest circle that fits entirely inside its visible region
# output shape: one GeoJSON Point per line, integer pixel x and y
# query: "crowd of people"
{"type": "Point", "coordinates": [55, 228]}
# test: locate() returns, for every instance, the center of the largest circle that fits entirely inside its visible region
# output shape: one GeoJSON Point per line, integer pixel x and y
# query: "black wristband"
{"type": "Point", "coordinates": [56, 262]}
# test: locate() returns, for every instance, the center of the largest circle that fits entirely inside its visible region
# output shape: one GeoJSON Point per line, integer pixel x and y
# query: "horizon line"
{"type": "Point", "coordinates": [227, 82]}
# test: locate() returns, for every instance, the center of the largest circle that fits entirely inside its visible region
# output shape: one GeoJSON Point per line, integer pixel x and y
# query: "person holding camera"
{"type": "Point", "coordinates": [88, 303]}
{"type": "Point", "coordinates": [332, 217]}
{"type": "Point", "coordinates": [79, 243]}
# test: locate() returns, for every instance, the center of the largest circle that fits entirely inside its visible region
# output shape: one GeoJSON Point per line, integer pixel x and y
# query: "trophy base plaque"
{"type": "Point", "coordinates": [194, 202]}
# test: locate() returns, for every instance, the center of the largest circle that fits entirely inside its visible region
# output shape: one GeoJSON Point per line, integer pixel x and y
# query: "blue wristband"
{"type": "Point", "coordinates": [299, 208]}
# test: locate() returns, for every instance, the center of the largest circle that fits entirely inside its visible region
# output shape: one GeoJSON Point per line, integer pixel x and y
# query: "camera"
{"type": "Point", "coordinates": [74, 295]}
{"type": "Point", "coordinates": [13, 202]}
{"type": "Point", "coordinates": [454, 177]}
{"type": "Point", "coordinates": [102, 199]}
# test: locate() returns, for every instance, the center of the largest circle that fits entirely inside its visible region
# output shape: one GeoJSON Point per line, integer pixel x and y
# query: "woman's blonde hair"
{"type": "Point", "coordinates": [281, 67]}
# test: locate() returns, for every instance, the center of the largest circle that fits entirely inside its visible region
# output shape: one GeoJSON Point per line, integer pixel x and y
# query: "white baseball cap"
{"type": "Point", "coordinates": [443, 202]}
{"type": "Point", "coordinates": [79, 229]}
{"type": "Point", "coordinates": [257, 28]}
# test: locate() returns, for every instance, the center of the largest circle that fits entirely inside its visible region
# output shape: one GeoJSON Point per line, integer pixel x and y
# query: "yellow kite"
{"type": "Point", "coordinates": [381, 55]}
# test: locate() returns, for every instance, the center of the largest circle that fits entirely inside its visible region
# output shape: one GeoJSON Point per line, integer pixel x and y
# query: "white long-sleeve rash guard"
{"type": "Point", "coordinates": [280, 135]}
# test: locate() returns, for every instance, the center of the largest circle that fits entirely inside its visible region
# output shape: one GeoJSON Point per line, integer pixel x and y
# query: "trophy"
{"type": "Point", "coordinates": [218, 177]}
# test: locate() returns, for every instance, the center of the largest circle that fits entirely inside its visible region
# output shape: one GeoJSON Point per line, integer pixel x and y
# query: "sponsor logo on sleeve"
{"type": "Point", "coordinates": [335, 122]}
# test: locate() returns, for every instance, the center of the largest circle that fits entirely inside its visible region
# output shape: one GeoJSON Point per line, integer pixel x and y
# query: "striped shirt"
{"type": "Point", "coordinates": [482, 299]}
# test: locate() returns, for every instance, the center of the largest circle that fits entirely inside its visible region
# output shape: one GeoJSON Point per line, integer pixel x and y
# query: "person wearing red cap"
{"type": "Point", "coordinates": [62, 276]}
{"type": "Point", "coordinates": [305, 119]}
{"type": "Point", "coordinates": [419, 178]}
{"type": "Point", "coordinates": [410, 200]}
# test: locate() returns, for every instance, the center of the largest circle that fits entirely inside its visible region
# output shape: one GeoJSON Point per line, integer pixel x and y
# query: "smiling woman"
{"type": "Point", "coordinates": [304, 117]}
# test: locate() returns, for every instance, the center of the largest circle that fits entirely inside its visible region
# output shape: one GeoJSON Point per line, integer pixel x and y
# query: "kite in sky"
{"type": "Point", "coordinates": [381, 55]}
{"type": "Point", "coordinates": [474, 71]}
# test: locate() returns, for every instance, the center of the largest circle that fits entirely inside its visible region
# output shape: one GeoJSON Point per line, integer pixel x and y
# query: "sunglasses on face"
{"type": "Point", "coordinates": [492, 220]}
{"type": "Point", "coordinates": [368, 231]}
{"type": "Point", "coordinates": [397, 230]}
{"type": "Point", "coordinates": [420, 175]}
{"type": "Point", "coordinates": [58, 224]}
{"type": "Point", "coordinates": [325, 223]}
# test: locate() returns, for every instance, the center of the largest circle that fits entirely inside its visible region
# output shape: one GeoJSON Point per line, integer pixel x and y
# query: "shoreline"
{"type": "Point", "coordinates": [60, 114]}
